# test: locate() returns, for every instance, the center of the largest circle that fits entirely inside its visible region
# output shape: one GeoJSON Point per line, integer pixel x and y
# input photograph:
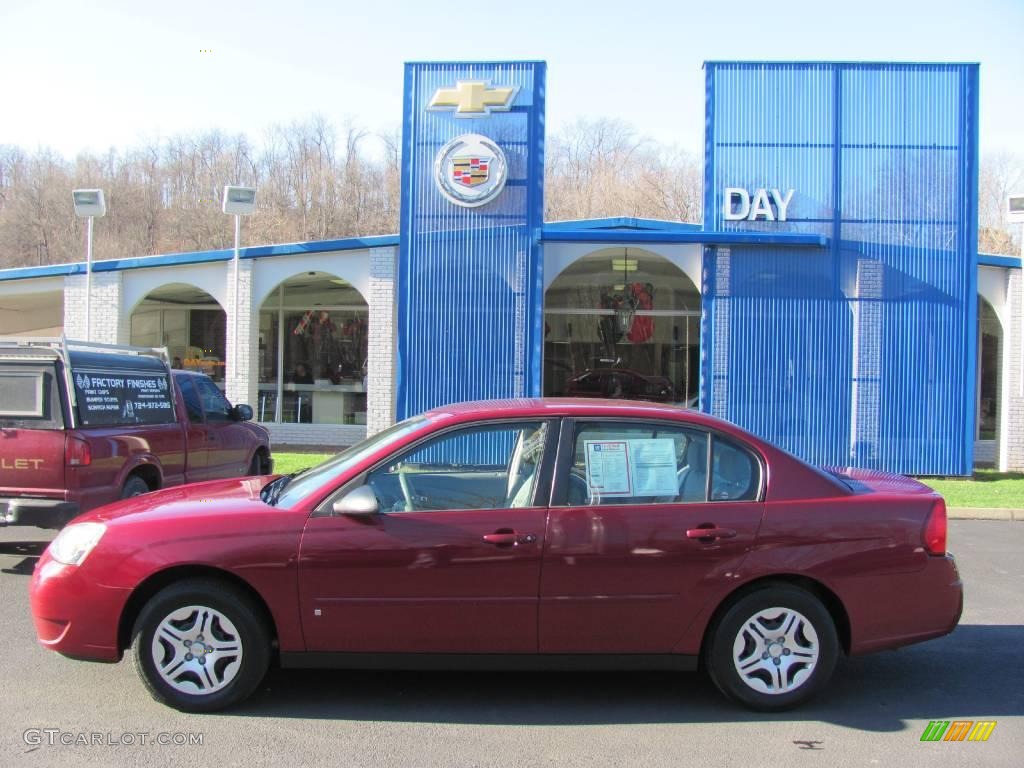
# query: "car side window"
{"type": "Point", "coordinates": [215, 405]}
{"type": "Point", "coordinates": [615, 463]}
{"type": "Point", "coordinates": [479, 467]}
{"type": "Point", "coordinates": [193, 407]}
{"type": "Point", "coordinates": [736, 475]}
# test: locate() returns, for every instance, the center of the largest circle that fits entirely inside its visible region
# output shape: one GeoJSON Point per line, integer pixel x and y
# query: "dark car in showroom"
{"type": "Point", "coordinates": [520, 534]}
{"type": "Point", "coordinates": [622, 383]}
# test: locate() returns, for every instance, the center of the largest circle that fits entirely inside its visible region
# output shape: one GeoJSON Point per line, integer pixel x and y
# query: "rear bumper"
{"type": "Point", "coordinates": [921, 606]}
{"type": "Point", "coordinates": [42, 513]}
{"type": "Point", "coordinates": [74, 615]}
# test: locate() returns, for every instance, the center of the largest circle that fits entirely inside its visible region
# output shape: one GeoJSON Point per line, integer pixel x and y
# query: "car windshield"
{"type": "Point", "coordinates": [290, 490]}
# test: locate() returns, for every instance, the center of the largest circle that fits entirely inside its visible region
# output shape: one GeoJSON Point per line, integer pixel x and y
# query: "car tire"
{"type": "Point", "coordinates": [201, 645]}
{"type": "Point", "coordinates": [134, 486]}
{"type": "Point", "coordinates": [773, 649]}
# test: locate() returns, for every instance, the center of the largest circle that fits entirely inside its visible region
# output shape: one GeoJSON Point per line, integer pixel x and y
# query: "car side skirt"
{"type": "Point", "coordinates": [487, 661]}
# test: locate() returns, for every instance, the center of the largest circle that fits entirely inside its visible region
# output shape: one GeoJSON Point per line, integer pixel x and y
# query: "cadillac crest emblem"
{"type": "Point", "coordinates": [470, 170]}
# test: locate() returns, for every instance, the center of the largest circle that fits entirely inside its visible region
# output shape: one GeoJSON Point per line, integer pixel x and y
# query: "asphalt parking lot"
{"type": "Point", "coordinates": [873, 714]}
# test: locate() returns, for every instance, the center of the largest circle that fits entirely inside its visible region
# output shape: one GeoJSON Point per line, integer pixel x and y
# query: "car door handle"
{"type": "Point", "coordinates": [509, 538]}
{"type": "Point", "coordinates": [710, 533]}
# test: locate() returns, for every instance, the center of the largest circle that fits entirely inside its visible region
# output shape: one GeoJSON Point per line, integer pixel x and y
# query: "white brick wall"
{"type": "Point", "coordinates": [241, 343]}
{"type": "Point", "coordinates": [380, 384]}
{"type": "Point", "coordinates": [109, 324]}
{"type": "Point", "coordinates": [328, 435]}
{"type": "Point", "coordinates": [1012, 400]}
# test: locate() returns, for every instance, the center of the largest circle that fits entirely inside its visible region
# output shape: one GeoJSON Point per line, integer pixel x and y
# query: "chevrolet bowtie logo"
{"type": "Point", "coordinates": [473, 98]}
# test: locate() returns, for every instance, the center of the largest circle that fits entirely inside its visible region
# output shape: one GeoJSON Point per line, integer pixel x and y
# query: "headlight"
{"type": "Point", "coordinates": [75, 542]}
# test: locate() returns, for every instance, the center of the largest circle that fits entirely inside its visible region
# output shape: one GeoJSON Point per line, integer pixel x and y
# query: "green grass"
{"type": "Point", "coordinates": [286, 463]}
{"type": "Point", "coordinates": [987, 488]}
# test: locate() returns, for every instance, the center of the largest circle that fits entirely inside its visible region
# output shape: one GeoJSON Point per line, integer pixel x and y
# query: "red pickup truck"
{"type": "Point", "coordinates": [83, 425]}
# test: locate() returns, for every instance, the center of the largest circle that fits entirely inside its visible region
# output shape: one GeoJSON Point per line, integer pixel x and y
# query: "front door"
{"type": "Point", "coordinates": [451, 561]}
{"type": "Point", "coordinates": [625, 562]}
{"type": "Point", "coordinates": [227, 439]}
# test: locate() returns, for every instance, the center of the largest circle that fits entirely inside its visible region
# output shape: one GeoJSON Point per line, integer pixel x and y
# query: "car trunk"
{"type": "Point", "coordinates": [874, 481]}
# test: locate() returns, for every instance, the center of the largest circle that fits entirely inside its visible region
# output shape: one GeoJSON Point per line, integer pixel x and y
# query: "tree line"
{"type": "Point", "coordinates": [317, 181]}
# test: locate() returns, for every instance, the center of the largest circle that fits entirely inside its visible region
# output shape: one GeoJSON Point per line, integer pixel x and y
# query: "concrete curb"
{"type": "Point", "coordinates": [984, 513]}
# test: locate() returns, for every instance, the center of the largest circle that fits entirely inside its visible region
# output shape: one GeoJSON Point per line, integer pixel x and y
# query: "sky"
{"type": "Point", "coordinates": [90, 76]}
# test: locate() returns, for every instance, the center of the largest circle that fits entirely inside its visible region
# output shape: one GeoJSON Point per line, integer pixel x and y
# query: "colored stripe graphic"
{"type": "Point", "coordinates": [934, 730]}
{"type": "Point", "coordinates": [958, 730]}
{"type": "Point", "coordinates": [982, 730]}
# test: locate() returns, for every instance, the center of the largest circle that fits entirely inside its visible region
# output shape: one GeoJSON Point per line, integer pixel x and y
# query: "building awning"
{"type": "Point", "coordinates": [616, 236]}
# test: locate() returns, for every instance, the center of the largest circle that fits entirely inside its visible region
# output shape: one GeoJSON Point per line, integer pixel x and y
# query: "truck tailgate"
{"type": "Point", "coordinates": [32, 462]}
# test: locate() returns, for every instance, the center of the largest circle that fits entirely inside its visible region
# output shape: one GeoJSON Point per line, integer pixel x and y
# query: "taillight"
{"type": "Point", "coordinates": [77, 452]}
{"type": "Point", "coordinates": [935, 529]}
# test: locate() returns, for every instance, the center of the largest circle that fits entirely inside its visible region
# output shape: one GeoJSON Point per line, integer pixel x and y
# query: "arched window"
{"type": "Point", "coordinates": [313, 352]}
{"type": "Point", "coordinates": [622, 322]}
{"type": "Point", "coordinates": [189, 322]}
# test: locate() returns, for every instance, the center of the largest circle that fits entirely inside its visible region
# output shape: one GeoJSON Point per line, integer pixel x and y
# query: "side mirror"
{"type": "Point", "coordinates": [242, 412]}
{"type": "Point", "coordinates": [359, 502]}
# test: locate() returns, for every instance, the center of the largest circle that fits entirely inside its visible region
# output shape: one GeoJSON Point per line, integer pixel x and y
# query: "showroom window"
{"type": "Point", "coordinates": [189, 322]}
{"type": "Point", "coordinates": [313, 351]}
{"type": "Point", "coordinates": [622, 323]}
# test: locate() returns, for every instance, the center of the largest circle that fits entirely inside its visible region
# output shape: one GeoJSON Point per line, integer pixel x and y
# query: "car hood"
{"type": "Point", "coordinates": [873, 481]}
{"type": "Point", "coordinates": [220, 496]}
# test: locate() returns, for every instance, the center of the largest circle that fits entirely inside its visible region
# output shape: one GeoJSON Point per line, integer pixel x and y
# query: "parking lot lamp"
{"type": "Point", "coordinates": [239, 202]}
{"type": "Point", "coordinates": [89, 204]}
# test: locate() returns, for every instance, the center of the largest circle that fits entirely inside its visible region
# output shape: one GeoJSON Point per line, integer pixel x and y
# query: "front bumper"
{"type": "Point", "coordinates": [42, 513]}
{"type": "Point", "coordinates": [73, 614]}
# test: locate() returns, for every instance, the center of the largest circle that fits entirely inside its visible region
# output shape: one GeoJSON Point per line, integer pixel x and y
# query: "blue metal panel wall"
{"type": "Point", "coordinates": [862, 353]}
{"type": "Point", "coordinates": [470, 284]}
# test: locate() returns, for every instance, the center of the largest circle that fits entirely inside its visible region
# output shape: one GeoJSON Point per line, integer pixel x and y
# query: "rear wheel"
{"type": "Point", "coordinates": [773, 649]}
{"type": "Point", "coordinates": [200, 646]}
{"type": "Point", "coordinates": [134, 486]}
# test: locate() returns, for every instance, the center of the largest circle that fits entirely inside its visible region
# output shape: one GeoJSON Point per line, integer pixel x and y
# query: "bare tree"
{"type": "Point", "coordinates": [317, 180]}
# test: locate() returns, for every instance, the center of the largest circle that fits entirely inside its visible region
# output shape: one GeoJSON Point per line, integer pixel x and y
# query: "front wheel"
{"type": "Point", "coordinates": [200, 646]}
{"type": "Point", "coordinates": [773, 649]}
{"type": "Point", "coordinates": [134, 486]}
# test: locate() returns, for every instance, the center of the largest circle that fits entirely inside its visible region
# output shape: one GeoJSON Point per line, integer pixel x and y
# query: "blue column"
{"type": "Point", "coordinates": [470, 282]}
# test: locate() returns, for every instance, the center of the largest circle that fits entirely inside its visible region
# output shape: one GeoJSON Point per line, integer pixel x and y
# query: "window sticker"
{"type": "Point", "coordinates": [632, 467]}
{"type": "Point", "coordinates": [654, 467]}
{"type": "Point", "coordinates": [608, 467]}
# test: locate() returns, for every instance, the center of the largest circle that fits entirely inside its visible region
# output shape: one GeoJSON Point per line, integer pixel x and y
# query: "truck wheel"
{"type": "Point", "coordinates": [259, 464]}
{"type": "Point", "coordinates": [200, 645]}
{"type": "Point", "coordinates": [134, 486]}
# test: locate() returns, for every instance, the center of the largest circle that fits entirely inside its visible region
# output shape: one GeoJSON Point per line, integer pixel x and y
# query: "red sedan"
{"type": "Point", "coordinates": [519, 534]}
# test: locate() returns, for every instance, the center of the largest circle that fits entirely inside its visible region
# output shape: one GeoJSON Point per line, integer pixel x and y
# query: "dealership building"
{"type": "Point", "coordinates": [833, 299]}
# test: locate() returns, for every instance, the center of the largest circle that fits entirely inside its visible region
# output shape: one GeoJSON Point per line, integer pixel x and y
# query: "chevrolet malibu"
{"type": "Point", "coordinates": [580, 534]}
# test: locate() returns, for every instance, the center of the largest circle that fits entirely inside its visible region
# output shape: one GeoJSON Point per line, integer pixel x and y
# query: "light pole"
{"type": "Point", "coordinates": [239, 202]}
{"type": "Point", "coordinates": [89, 204]}
{"type": "Point", "coordinates": [1015, 215]}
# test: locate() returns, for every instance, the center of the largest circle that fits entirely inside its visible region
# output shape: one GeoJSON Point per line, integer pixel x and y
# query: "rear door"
{"type": "Point", "coordinates": [31, 430]}
{"type": "Point", "coordinates": [638, 529]}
